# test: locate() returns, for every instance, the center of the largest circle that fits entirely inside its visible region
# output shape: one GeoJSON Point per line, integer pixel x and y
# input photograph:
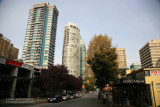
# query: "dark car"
{"type": "Point", "coordinates": [55, 98]}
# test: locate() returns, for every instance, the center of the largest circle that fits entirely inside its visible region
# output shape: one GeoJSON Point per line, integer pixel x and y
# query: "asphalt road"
{"type": "Point", "coordinates": [87, 100]}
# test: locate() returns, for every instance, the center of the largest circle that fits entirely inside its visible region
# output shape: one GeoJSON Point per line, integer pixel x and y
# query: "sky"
{"type": "Point", "coordinates": [130, 23]}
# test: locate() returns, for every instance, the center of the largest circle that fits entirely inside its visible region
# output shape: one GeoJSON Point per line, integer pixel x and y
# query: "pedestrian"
{"type": "Point", "coordinates": [125, 97]}
{"type": "Point", "coordinates": [104, 97]}
{"type": "Point", "coordinates": [110, 98]}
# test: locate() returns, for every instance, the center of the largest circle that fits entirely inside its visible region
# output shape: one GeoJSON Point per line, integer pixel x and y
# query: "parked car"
{"type": "Point", "coordinates": [90, 92]}
{"type": "Point", "coordinates": [73, 96]}
{"type": "Point", "coordinates": [65, 97]}
{"type": "Point", "coordinates": [55, 98]}
{"type": "Point", "coordinates": [77, 95]}
{"type": "Point", "coordinates": [69, 96]}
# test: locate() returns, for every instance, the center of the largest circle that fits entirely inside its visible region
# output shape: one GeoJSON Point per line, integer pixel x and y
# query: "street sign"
{"type": "Point", "coordinates": [155, 73]}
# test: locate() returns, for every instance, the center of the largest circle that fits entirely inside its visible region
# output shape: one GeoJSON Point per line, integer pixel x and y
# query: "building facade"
{"type": "Point", "coordinates": [16, 79]}
{"type": "Point", "coordinates": [7, 50]}
{"type": "Point", "coordinates": [135, 66]}
{"type": "Point", "coordinates": [39, 44]}
{"type": "Point", "coordinates": [142, 88]}
{"type": "Point", "coordinates": [122, 63]}
{"type": "Point", "coordinates": [82, 57]}
{"type": "Point", "coordinates": [71, 49]}
{"type": "Point", "coordinates": [150, 54]}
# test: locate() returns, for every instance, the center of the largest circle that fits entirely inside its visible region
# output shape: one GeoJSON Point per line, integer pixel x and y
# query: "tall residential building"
{"type": "Point", "coordinates": [7, 50]}
{"type": "Point", "coordinates": [71, 49]}
{"type": "Point", "coordinates": [122, 63]}
{"type": "Point", "coordinates": [135, 66]}
{"type": "Point", "coordinates": [82, 57]}
{"type": "Point", "coordinates": [150, 54]}
{"type": "Point", "coordinates": [39, 44]}
{"type": "Point", "coordinates": [158, 63]}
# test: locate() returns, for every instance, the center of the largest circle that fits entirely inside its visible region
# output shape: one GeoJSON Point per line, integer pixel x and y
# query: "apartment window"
{"type": "Point", "coordinates": [47, 51]}
{"type": "Point", "coordinates": [45, 57]}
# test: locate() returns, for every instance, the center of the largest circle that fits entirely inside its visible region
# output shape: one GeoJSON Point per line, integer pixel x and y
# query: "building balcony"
{"type": "Point", "coordinates": [35, 40]}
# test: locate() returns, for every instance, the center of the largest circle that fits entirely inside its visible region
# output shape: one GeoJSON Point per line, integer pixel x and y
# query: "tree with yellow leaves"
{"type": "Point", "coordinates": [89, 79]}
{"type": "Point", "coordinates": [102, 58]}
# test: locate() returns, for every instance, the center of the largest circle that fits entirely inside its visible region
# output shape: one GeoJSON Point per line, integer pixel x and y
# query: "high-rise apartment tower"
{"type": "Point", "coordinates": [82, 57]}
{"type": "Point", "coordinates": [122, 63]}
{"type": "Point", "coordinates": [7, 50]}
{"type": "Point", "coordinates": [150, 54]}
{"type": "Point", "coordinates": [39, 44]}
{"type": "Point", "coordinates": [71, 49]}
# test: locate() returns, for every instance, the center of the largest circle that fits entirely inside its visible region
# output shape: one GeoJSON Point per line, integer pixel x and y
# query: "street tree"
{"type": "Point", "coordinates": [89, 79]}
{"type": "Point", "coordinates": [102, 57]}
{"type": "Point", "coordinates": [55, 79]}
{"type": "Point", "coordinates": [73, 83]}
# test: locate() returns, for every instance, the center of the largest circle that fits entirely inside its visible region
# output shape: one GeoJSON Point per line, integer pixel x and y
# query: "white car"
{"type": "Point", "coordinates": [65, 97]}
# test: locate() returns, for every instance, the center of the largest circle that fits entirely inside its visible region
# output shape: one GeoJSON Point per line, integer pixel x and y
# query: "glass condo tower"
{"type": "Point", "coordinates": [39, 44]}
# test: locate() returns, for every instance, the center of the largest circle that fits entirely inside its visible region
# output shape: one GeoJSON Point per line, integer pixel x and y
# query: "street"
{"type": "Point", "coordinates": [87, 100]}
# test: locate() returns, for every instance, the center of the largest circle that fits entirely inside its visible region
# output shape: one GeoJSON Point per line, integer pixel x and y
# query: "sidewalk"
{"type": "Point", "coordinates": [100, 104]}
{"type": "Point", "coordinates": [23, 101]}
{"type": "Point", "coordinates": [41, 100]}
